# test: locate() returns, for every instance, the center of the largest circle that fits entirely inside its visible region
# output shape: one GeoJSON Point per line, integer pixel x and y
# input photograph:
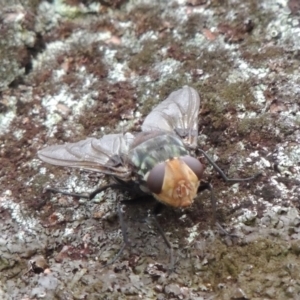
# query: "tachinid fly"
{"type": "Point", "coordinates": [158, 158]}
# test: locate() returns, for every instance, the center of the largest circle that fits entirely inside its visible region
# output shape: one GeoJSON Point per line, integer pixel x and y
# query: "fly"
{"type": "Point", "coordinates": [159, 159]}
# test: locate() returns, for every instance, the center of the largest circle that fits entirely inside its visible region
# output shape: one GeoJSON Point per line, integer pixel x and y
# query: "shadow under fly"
{"type": "Point", "coordinates": [160, 160]}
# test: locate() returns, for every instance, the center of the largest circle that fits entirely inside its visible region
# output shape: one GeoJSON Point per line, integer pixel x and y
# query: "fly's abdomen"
{"type": "Point", "coordinates": [150, 148]}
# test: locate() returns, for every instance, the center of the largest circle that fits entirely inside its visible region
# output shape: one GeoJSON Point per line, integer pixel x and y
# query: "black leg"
{"type": "Point", "coordinates": [124, 234]}
{"type": "Point", "coordinates": [122, 224]}
{"type": "Point", "coordinates": [156, 210]}
{"type": "Point", "coordinates": [92, 194]}
{"type": "Point", "coordinates": [213, 200]}
{"type": "Point", "coordinates": [115, 258]}
{"type": "Point", "coordinates": [225, 178]}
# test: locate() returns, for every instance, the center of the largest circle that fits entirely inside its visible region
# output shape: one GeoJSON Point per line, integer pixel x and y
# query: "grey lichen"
{"type": "Point", "coordinates": [70, 70]}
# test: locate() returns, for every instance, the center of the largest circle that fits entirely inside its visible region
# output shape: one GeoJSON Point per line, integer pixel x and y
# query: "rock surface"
{"type": "Point", "coordinates": [72, 69]}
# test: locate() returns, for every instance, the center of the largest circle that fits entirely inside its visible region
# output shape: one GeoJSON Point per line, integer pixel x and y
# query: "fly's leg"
{"type": "Point", "coordinates": [124, 234]}
{"type": "Point", "coordinates": [154, 213]}
{"type": "Point", "coordinates": [91, 195]}
{"type": "Point", "coordinates": [119, 210]}
{"type": "Point", "coordinates": [225, 178]}
{"type": "Point", "coordinates": [213, 200]}
{"type": "Point", "coordinates": [207, 186]}
{"type": "Point", "coordinates": [156, 210]}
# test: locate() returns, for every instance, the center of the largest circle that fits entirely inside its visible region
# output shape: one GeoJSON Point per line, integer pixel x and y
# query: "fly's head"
{"type": "Point", "coordinates": [175, 182]}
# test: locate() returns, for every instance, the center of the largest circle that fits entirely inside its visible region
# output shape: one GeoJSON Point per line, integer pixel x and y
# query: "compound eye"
{"type": "Point", "coordinates": [194, 164]}
{"type": "Point", "coordinates": [155, 179]}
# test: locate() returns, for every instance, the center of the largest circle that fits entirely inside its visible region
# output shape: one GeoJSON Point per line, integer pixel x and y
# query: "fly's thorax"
{"type": "Point", "coordinates": [151, 148]}
{"type": "Point", "coordinates": [175, 182]}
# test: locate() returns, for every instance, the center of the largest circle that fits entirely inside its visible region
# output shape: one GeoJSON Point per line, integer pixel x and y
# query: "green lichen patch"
{"type": "Point", "coordinates": [114, 103]}
{"type": "Point", "coordinates": [144, 59]}
{"type": "Point", "coordinates": [262, 58]}
{"type": "Point", "coordinates": [213, 62]}
{"type": "Point", "coordinates": [147, 18]}
{"type": "Point", "coordinates": [194, 24]}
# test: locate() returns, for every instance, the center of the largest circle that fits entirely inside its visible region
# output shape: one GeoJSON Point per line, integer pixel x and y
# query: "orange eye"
{"type": "Point", "coordinates": [194, 164]}
{"type": "Point", "coordinates": [155, 179]}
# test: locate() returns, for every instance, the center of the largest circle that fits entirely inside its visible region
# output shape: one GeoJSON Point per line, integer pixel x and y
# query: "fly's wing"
{"type": "Point", "coordinates": [103, 155]}
{"type": "Point", "coordinates": [178, 113]}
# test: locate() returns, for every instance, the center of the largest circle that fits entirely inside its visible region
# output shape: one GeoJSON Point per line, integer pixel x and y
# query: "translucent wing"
{"type": "Point", "coordinates": [103, 155]}
{"type": "Point", "coordinates": [178, 113]}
